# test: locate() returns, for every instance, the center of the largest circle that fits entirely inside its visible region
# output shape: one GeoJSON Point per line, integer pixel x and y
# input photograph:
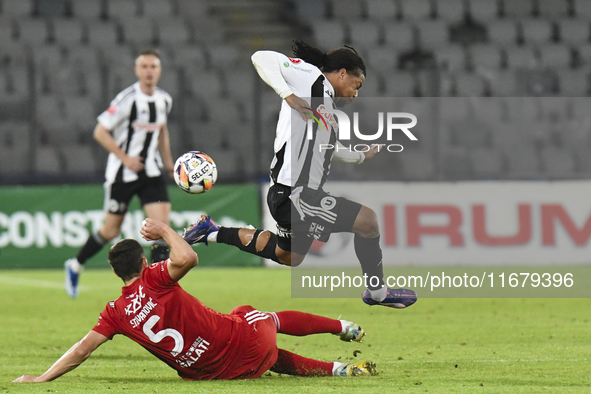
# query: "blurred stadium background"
{"type": "Point", "coordinates": [62, 61]}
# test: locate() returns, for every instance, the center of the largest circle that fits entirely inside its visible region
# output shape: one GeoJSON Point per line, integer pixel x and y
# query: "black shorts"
{"type": "Point", "coordinates": [316, 216]}
{"type": "Point", "coordinates": [149, 190]}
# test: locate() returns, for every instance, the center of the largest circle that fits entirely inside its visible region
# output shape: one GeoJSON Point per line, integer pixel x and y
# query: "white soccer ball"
{"type": "Point", "coordinates": [195, 172]}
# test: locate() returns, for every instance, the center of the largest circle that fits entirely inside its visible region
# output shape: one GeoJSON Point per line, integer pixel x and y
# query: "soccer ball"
{"type": "Point", "coordinates": [195, 172]}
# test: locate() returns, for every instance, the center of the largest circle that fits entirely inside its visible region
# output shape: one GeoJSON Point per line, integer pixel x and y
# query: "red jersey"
{"type": "Point", "coordinates": [198, 342]}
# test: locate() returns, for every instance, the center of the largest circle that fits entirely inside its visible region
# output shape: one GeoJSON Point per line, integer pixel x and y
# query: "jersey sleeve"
{"type": "Point", "coordinates": [298, 74]}
{"type": "Point", "coordinates": [168, 104]}
{"type": "Point", "coordinates": [284, 74]}
{"type": "Point", "coordinates": [345, 156]}
{"type": "Point", "coordinates": [106, 324]}
{"type": "Point", "coordinates": [115, 114]}
{"type": "Point", "coordinates": [156, 276]}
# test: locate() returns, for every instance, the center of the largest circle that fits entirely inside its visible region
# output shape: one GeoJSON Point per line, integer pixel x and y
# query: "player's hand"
{"type": "Point", "coordinates": [373, 150]}
{"type": "Point", "coordinates": [152, 229]}
{"type": "Point", "coordinates": [134, 163]}
{"type": "Point", "coordinates": [300, 105]}
{"type": "Point", "coordinates": [26, 379]}
{"type": "Point", "coordinates": [170, 173]}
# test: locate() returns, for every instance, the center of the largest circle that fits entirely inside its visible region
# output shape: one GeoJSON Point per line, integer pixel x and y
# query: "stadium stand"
{"type": "Point", "coordinates": [483, 10]}
{"type": "Point", "coordinates": [573, 31]}
{"type": "Point", "coordinates": [157, 8]}
{"type": "Point", "coordinates": [171, 31]}
{"type": "Point", "coordinates": [48, 161]}
{"type": "Point", "coordinates": [87, 10]}
{"type": "Point", "coordinates": [32, 31]}
{"type": "Point", "coordinates": [102, 34]}
{"type": "Point", "coordinates": [582, 8]}
{"type": "Point", "coordinates": [400, 36]}
{"type": "Point", "coordinates": [502, 32]}
{"type": "Point", "coordinates": [122, 9]}
{"type": "Point", "coordinates": [18, 8]}
{"type": "Point", "coordinates": [451, 11]}
{"type": "Point", "coordinates": [485, 56]}
{"type": "Point", "coordinates": [486, 163]}
{"type": "Point", "coordinates": [553, 8]}
{"type": "Point", "coordinates": [62, 61]}
{"type": "Point", "coordinates": [518, 9]}
{"type": "Point", "coordinates": [381, 9]}
{"type": "Point", "coordinates": [413, 10]}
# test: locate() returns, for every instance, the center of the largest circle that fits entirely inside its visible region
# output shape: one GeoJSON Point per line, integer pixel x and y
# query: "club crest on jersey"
{"type": "Point", "coordinates": [136, 302]}
{"type": "Point", "coordinates": [328, 203]}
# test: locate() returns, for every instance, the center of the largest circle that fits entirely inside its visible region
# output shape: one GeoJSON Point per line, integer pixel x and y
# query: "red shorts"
{"type": "Point", "coordinates": [259, 353]}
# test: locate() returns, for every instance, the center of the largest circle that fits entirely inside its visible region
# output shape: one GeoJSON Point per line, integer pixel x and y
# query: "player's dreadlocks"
{"type": "Point", "coordinates": [346, 58]}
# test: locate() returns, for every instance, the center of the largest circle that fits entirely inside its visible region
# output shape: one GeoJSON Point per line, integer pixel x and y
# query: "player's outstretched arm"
{"type": "Point", "coordinates": [342, 154]}
{"type": "Point", "coordinates": [70, 360]}
{"type": "Point", "coordinates": [182, 256]}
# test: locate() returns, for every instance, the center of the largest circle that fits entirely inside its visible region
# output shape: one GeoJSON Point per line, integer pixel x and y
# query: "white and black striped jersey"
{"type": "Point", "coordinates": [297, 160]}
{"type": "Point", "coordinates": [135, 120]}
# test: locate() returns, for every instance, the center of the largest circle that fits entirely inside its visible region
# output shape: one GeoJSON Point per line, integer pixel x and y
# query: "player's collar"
{"type": "Point", "coordinates": [140, 92]}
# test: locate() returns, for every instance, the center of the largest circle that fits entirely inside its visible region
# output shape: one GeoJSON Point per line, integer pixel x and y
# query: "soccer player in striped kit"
{"type": "Point", "coordinates": [196, 341]}
{"type": "Point", "coordinates": [134, 130]}
{"type": "Point", "coordinates": [296, 199]}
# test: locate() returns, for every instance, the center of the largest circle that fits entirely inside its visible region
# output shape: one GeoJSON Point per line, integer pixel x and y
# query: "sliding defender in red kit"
{"type": "Point", "coordinates": [196, 341]}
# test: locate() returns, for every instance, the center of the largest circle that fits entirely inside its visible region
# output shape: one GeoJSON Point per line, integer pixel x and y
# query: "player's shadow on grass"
{"type": "Point", "coordinates": [134, 357]}
{"type": "Point", "coordinates": [134, 380]}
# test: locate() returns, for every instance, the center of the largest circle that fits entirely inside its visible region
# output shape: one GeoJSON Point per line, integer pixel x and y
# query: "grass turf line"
{"type": "Point", "coordinates": [436, 346]}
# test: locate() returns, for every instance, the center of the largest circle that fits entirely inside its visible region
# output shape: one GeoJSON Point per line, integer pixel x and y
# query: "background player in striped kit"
{"type": "Point", "coordinates": [196, 341]}
{"type": "Point", "coordinates": [134, 130]}
{"type": "Point", "coordinates": [296, 199]}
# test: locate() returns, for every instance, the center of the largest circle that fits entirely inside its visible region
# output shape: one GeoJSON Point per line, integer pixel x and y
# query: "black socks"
{"type": "Point", "coordinates": [93, 245]}
{"type": "Point", "coordinates": [159, 251]}
{"type": "Point", "coordinates": [369, 253]}
{"type": "Point", "coordinates": [229, 236]}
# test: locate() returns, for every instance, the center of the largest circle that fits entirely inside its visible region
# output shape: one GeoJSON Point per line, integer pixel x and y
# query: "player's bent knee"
{"type": "Point", "coordinates": [262, 240]}
{"type": "Point", "coordinates": [108, 234]}
{"type": "Point", "coordinates": [246, 236]}
{"type": "Point", "coordinates": [296, 259]}
{"type": "Point", "coordinates": [366, 224]}
{"type": "Point", "coordinates": [283, 256]}
{"type": "Point", "coordinates": [289, 258]}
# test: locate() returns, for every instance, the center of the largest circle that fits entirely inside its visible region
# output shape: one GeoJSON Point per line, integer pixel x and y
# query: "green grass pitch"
{"type": "Point", "coordinates": [436, 346]}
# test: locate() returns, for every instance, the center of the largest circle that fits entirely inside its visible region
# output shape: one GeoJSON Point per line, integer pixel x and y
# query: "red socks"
{"type": "Point", "coordinates": [299, 323]}
{"type": "Point", "coordinates": [291, 364]}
